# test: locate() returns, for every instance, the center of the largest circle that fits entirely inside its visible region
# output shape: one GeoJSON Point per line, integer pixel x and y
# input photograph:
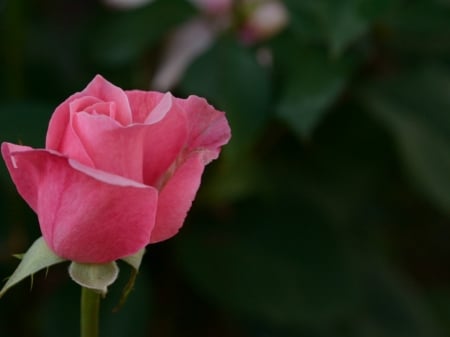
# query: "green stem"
{"type": "Point", "coordinates": [90, 305]}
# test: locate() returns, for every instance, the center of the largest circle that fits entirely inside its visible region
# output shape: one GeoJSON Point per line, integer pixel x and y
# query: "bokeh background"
{"type": "Point", "coordinates": [328, 214]}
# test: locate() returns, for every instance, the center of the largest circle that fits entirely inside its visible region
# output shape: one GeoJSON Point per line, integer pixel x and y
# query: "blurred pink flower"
{"type": "Point", "coordinates": [261, 19]}
{"type": "Point", "coordinates": [189, 41]}
{"type": "Point", "coordinates": [265, 20]}
{"type": "Point", "coordinates": [126, 4]}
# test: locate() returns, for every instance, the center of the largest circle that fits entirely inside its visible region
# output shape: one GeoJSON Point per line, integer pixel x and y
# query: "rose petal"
{"type": "Point", "coordinates": [112, 147]}
{"type": "Point", "coordinates": [165, 137]}
{"type": "Point", "coordinates": [142, 103]}
{"type": "Point", "coordinates": [25, 183]}
{"type": "Point", "coordinates": [71, 145]}
{"type": "Point", "coordinates": [209, 129]}
{"type": "Point", "coordinates": [108, 92]}
{"type": "Point", "coordinates": [176, 198]}
{"type": "Point", "coordinates": [103, 108]}
{"type": "Point", "coordinates": [85, 215]}
{"type": "Point", "coordinates": [82, 104]}
{"type": "Point", "coordinates": [60, 135]}
{"type": "Point", "coordinates": [59, 127]}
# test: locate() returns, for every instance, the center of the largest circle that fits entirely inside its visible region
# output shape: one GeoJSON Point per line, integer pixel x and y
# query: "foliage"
{"type": "Point", "coordinates": [328, 214]}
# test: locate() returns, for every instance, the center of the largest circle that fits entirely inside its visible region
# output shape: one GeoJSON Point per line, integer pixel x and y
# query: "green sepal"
{"type": "Point", "coordinates": [135, 259]}
{"type": "Point", "coordinates": [96, 277]}
{"type": "Point", "coordinates": [135, 262]}
{"type": "Point", "coordinates": [37, 257]}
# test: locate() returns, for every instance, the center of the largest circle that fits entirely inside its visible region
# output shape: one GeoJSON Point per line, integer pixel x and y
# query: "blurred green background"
{"type": "Point", "coordinates": [328, 214]}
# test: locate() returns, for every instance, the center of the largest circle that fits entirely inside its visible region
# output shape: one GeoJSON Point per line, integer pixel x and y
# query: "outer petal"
{"type": "Point", "coordinates": [24, 181]}
{"type": "Point", "coordinates": [85, 215]}
{"type": "Point", "coordinates": [176, 198]}
{"type": "Point", "coordinates": [208, 127]}
{"type": "Point", "coordinates": [167, 131]}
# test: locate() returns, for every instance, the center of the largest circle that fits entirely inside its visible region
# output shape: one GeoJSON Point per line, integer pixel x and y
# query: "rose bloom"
{"type": "Point", "coordinates": [120, 169]}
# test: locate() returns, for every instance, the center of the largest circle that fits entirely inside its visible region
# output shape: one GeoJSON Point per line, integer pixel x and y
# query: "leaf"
{"type": "Point", "coordinates": [37, 257]}
{"type": "Point", "coordinates": [229, 76]}
{"type": "Point", "coordinates": [125, 35]}
{"type": "Point", "coordinates": [338, 23]}
{"type": "Point", "coordinates": [312, 82]}
{"type": "Point", "coordinates": [415, 107]}
{"type": "Point", "coordinates": [280, 265]}
{"type": "Point", "coordinates": [421, 27]}
{"type": "Point", "coordinates": [392, 307]}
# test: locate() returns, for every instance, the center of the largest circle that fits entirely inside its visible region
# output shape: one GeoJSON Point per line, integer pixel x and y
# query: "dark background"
{"type": "Point", "coordinates": [328, 213]}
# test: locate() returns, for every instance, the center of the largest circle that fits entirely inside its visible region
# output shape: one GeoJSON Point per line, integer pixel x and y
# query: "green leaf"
{"type": "Point", "coordinates": [229, 76]}
{"type": "Point", "coordinates": [420, 28]}
{"type": "Point", "coordinates": [127, 34]}
{"type": "Point", "coordinates": [280, 265]}
{"type": "Point", "coordinates": [343, 24]}
{"type": "Point", "coordinates": [94, 276]}
{"type": "Point", "coordinates": [338, 23]}
{"type": "Point", "coordinates": [393, 307]}
{"type": "Point", "coordinates": [37, 257]}
{"type": "Point", "coordinates": [439, 298]}
{"type": "Point", "coordinates": [415, 107]}
{"type": "Point", "coordinates": [312, 83]}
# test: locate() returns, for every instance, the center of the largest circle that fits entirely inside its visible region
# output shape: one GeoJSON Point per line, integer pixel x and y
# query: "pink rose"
{"type": "Point", "coordinates": [119, 171]}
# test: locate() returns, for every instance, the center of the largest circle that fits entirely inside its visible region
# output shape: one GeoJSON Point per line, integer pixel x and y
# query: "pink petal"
{"type": "Point", "coordinates": [108, 92]}
{"type": "Point", "coordinates": [176, 198]}
{"type": "Point", "coordinates": [23, 181]}
{"type": "Point", "coordinates": [86, 215]}
{"type": "Point", "coordinates": [112, 147]}
{"type": "Point", "coordinates": [209, 129]}
{"type": "Point", "coordinates": [60, 135]}
{"type": "Point", "coordinates": [103, 108]}
{"type": "Point", "coordinates": [166, 134]}
{"type": "Point", "coordinates": [142, 103]}
{"type": "Point", "coordinates": [82, 104]}
{"type": "Point", "coordinates": [98, 89]}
